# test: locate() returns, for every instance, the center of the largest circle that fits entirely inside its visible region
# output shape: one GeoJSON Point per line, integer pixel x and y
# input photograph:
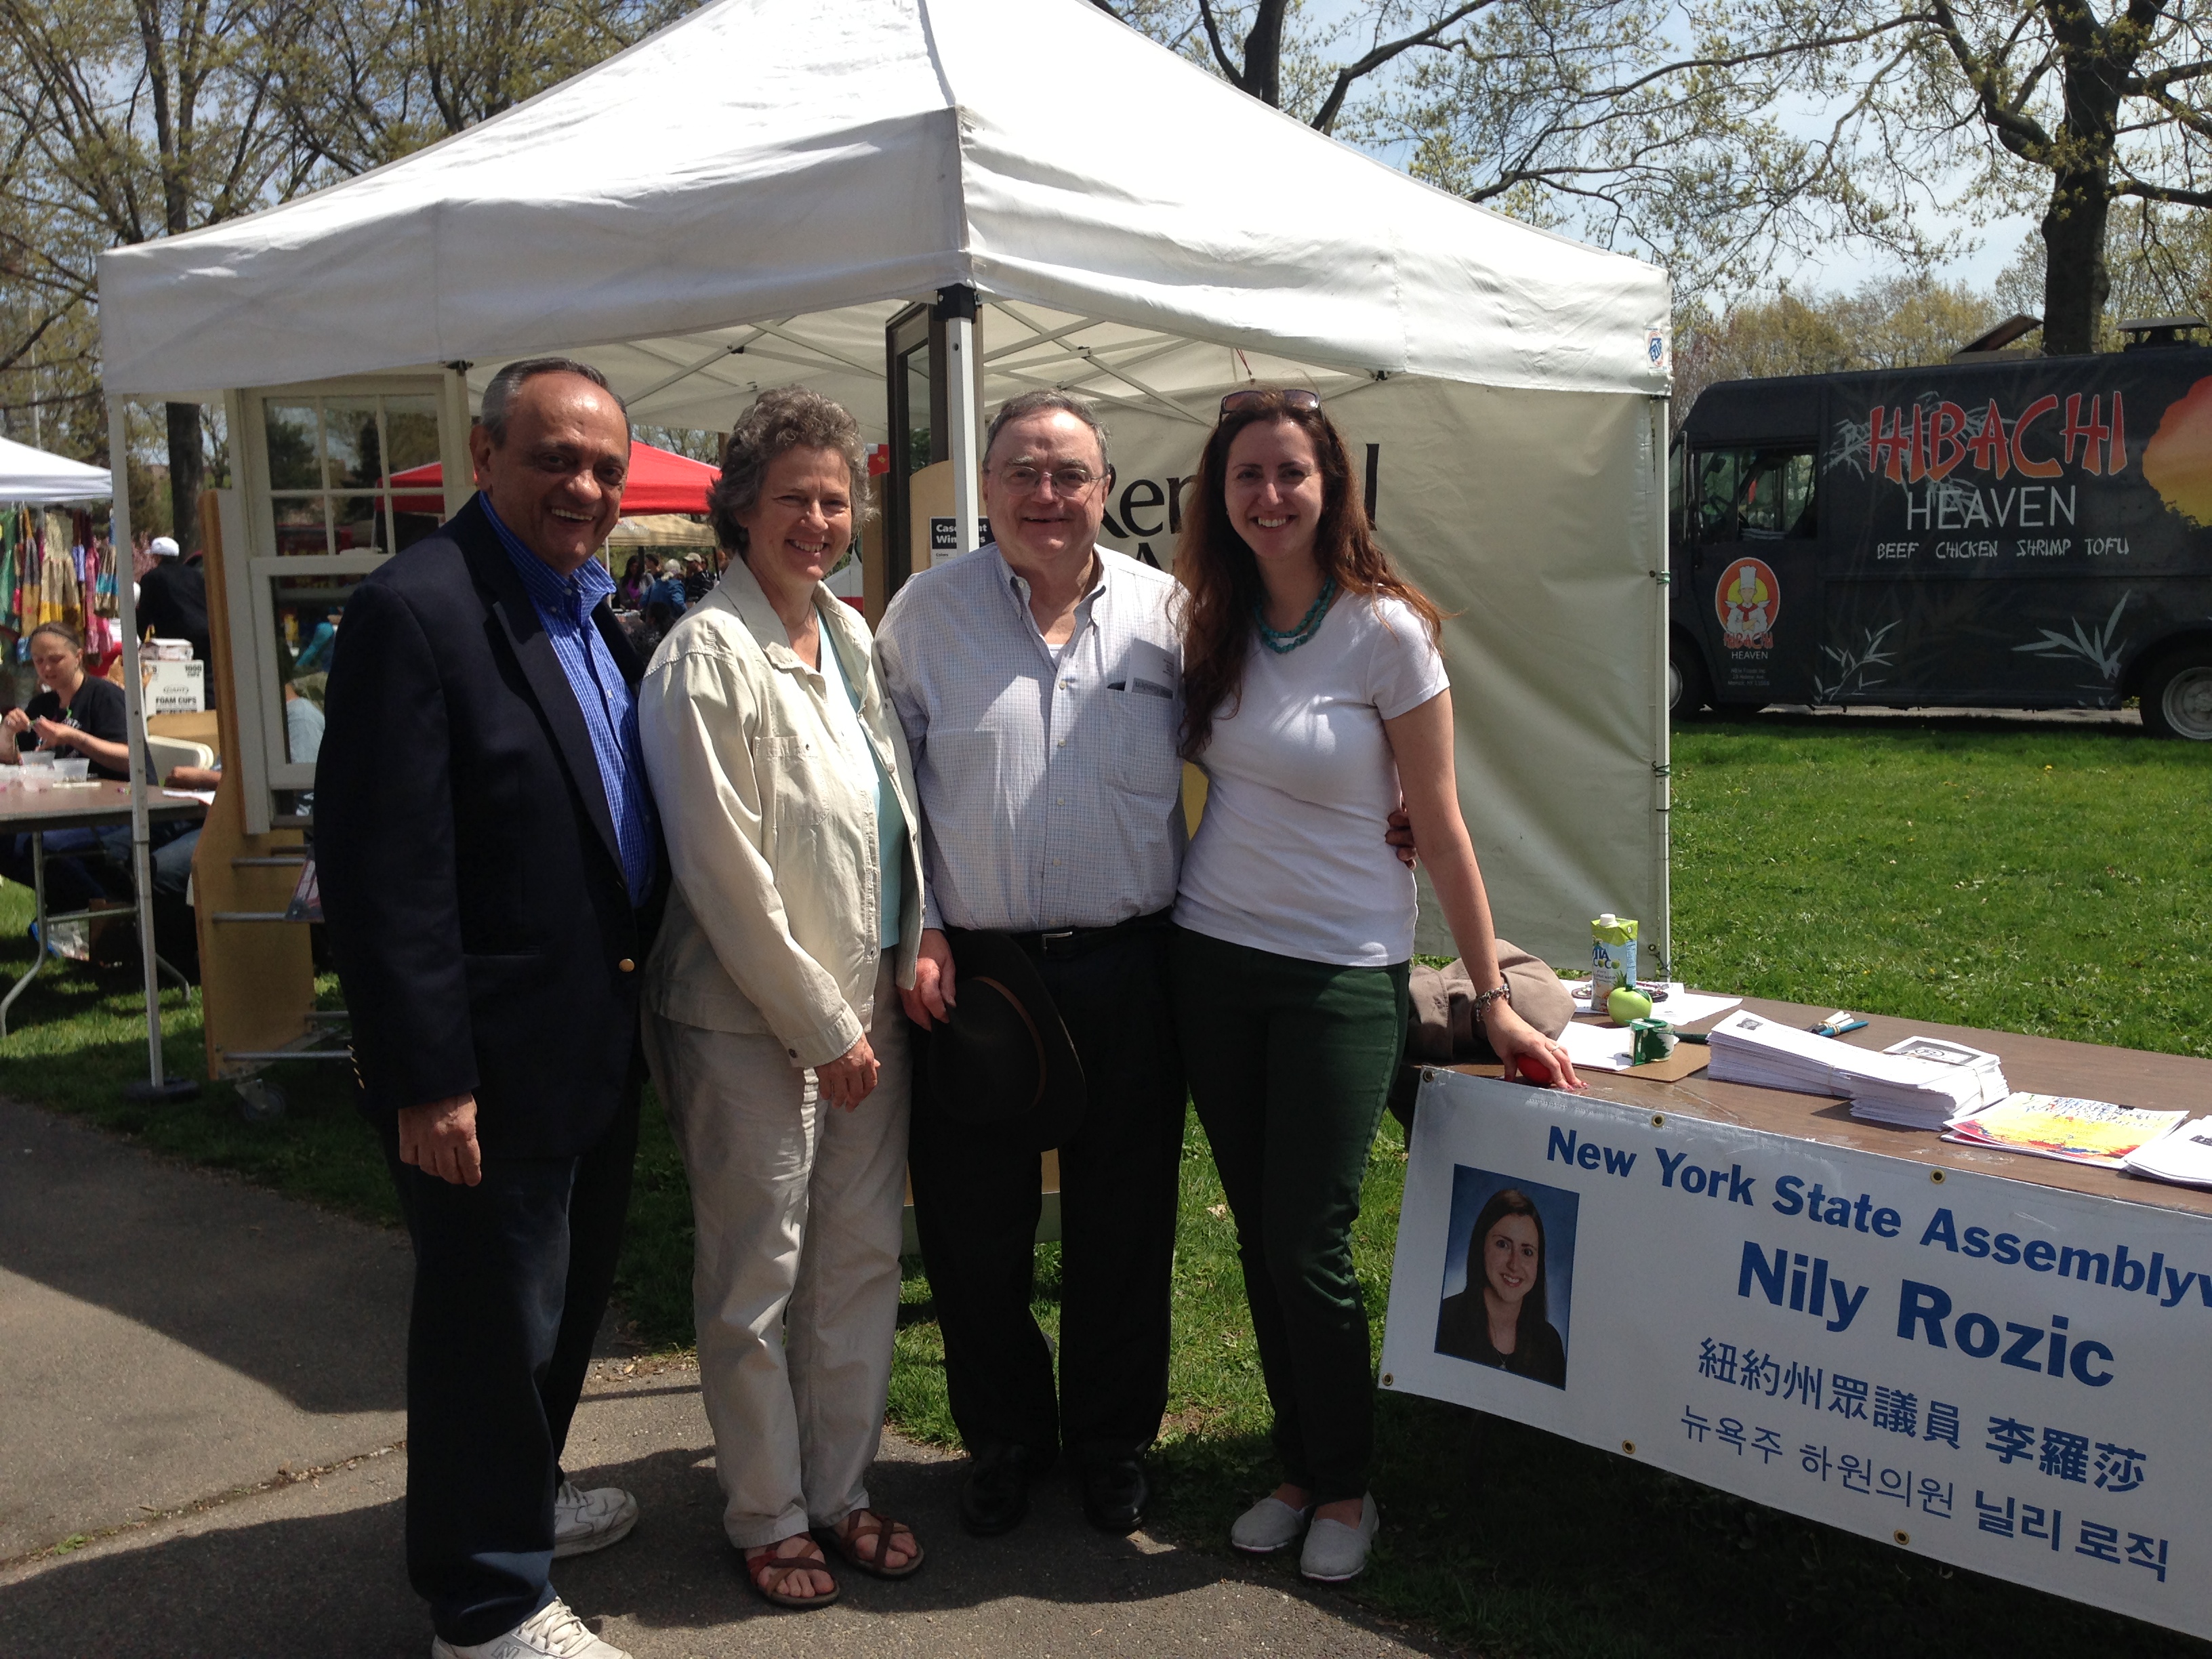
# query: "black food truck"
{"type": "Point", "coordinates": [2024, 533]}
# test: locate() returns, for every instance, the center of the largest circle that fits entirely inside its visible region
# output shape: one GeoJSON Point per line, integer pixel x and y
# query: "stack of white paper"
{"type": "Point", "coordinates": [1896, 1087]}
{"type": "Point", "coordinates": [1979, 1074]}
{"type": "Point", "coordinates": [2182, 1157]}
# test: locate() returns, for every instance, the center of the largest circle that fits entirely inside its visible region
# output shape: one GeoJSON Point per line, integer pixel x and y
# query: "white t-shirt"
{"type": "Point", "coordinates": [1290, 856]}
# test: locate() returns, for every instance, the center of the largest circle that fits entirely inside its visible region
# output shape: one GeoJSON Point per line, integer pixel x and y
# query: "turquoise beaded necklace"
{"type": "Point", "coordinates": [1281, 640]}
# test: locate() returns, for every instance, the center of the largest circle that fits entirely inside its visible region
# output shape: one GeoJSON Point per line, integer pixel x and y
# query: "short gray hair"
{"type": "Point", "coordinates": [499, 396]}
{"type": "Point", "coordinates": [1043, 401]}
{"type": "Point", "coordinates": [787, 418]}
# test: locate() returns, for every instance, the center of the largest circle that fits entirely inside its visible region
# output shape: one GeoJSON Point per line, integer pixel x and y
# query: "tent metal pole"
{"type": "Point", "coordinates": [141, 871]}
{"type": "Point", "coordinates": [963, 375]}
{"type": "Point", "coordinates": [1663, 725]}
{"type": "Point", "coordinates": [690, 369]}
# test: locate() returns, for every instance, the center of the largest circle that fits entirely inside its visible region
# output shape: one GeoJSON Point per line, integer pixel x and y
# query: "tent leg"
{"type": "Point", "coordinates": [962, 377]}
{"type": "Point", "coordinates": [1663, 735]}
{"type": "Point", "coordinates": [156, 1087]}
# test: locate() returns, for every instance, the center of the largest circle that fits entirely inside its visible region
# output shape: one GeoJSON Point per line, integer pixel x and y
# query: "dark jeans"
{"type": "Point", "coordinates": [511, 1279]}
{"type": "Point", "coordinates": [1290, 1061]}
{"type": "Point", "coordinates": [175, 929]}
{"type": "Point", "coordinates": [84, 865]}
{"type": "Point", "coordinates": [975, 1204]}
{"type": "Point", "coordinates": [81, 866]}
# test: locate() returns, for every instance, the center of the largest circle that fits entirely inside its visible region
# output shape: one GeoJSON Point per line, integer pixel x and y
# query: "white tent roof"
{"type": "Point", "coordinates": [31, 475]}
{"type": "Point", "coordinates": [759, 161]}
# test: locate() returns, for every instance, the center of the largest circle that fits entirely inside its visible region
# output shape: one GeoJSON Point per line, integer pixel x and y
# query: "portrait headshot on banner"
{"type": "Point", "coordinates": [1509, 1270]}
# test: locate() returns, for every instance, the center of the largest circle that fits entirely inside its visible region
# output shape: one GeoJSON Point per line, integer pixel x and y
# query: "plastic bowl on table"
{"type": "Point", "coordinates": [72, 770]}
{"type": "Point", "coordinates": [38, 757]}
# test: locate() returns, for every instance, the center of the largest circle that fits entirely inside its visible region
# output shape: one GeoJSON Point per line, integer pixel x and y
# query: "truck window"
{"type": "Point", "coordinates": [1755, 494]}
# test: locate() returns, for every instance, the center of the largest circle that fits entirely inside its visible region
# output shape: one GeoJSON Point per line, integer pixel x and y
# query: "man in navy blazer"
{"type": "Point", "coordinates": [491, 870]}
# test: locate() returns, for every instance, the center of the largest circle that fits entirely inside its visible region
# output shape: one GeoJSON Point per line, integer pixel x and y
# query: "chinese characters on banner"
{"type": "Point", "coordinates": [1980, 1371]}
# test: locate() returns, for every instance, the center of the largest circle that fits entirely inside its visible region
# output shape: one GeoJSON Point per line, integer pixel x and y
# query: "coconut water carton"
{"type": "Point", "coordinates": [1613, 957]}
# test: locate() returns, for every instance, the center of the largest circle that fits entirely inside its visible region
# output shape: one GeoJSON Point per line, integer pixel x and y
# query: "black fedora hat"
{"type": "Point", "coordinates": [1002, 1060]}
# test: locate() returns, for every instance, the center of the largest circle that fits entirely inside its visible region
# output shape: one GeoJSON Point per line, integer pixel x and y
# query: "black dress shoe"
{"type": "Point", "coordinates": [996, 1494]}
{"type": "Point", "coordinates": [1114, 1494]}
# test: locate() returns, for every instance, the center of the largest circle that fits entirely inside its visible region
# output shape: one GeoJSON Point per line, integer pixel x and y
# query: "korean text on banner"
{"type": "Point", "coordinates": [1976, 1369]}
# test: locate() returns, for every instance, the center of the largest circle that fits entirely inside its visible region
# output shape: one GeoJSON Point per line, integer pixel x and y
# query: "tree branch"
{"type": "Point", "coordinates": [1220, 51]}
{"type": "Point", "coordinates": [1325, 119]}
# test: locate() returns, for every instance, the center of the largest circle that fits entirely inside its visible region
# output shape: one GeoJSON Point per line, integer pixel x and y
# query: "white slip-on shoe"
{"type": "Point", "coordinates": [1335, 1551]}
{"type": "Point", "coordinates": [553, 1633]}
{"type": "Point", "coordinates": [1269, 1525]}
{"type": "Point", "coordinates": [587, 1520]}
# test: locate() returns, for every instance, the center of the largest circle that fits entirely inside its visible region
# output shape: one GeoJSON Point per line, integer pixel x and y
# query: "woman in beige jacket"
{"type": "Point", "coordinates": [772, 1022]}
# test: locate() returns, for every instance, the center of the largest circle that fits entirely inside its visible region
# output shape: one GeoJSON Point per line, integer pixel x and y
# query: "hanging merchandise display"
{"type": "Point", "coordinates": [54, 569]}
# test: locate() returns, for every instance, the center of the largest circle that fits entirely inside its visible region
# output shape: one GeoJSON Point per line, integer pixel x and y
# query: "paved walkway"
{"type": "Point", "coordinates": [205, 1381]}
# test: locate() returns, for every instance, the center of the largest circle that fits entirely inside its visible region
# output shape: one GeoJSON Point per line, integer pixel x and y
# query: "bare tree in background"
{"type": "Point", "coordinates": [1682, 130]}
{"type": "Point", "coordinates": [124, 120]}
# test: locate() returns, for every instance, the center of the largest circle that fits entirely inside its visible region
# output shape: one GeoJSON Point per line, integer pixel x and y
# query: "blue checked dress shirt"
{"type": "Point", "coordinates": [564, 605]}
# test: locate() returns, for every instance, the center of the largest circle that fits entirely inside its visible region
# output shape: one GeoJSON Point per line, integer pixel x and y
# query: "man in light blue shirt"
{"type": "Point", "coordinates": [1039, 684]}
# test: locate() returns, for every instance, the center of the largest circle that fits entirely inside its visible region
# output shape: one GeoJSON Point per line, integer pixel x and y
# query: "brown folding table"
{"type": "Point", "coordinates": [2040, 1065]}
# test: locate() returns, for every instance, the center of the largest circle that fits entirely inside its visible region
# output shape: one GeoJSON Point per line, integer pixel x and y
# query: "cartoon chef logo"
{"type": "Point", "coordinates": [1748, 598]}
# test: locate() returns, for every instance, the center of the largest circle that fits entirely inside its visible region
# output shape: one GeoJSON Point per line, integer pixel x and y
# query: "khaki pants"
{"type": "Point", "coordinates": [795, 1274]}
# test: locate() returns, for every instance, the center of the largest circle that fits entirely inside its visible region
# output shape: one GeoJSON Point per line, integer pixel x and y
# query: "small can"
{"type": "Point", "coordinates": [1649, 1040]}
{"type": "Point", "coordinates": [1613, 957]}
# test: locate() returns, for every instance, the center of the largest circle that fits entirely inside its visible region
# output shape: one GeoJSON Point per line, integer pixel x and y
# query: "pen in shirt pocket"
{"type": "Point", "coordinates": [1144, 686]}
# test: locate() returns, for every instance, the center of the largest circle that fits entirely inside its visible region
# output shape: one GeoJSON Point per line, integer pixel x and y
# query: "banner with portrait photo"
{"type": "Point", "coordinates": [1996, 1374]}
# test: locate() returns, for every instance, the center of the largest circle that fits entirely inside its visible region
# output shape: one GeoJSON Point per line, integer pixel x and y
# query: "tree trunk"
{"type": "Point", "coordinates": [1263, 52]}
{"type": "Point", "coordinates": [187, 473]}
{"type": "Point", "coordinates": [2074, 280]}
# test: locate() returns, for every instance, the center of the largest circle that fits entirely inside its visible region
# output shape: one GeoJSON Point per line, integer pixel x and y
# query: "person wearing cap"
{"type": "Point", "coordinates": [698, 580]}
{"type": "Point", "coordinates": [774, 1024]}
{"type": "Point", "coordinates": [173, 596]}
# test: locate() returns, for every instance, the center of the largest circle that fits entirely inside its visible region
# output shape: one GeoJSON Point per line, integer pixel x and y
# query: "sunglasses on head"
{"type": "Point", "coordinates": [1289, 397]}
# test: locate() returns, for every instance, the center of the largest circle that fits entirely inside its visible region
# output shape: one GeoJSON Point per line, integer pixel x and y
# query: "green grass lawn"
{"type": "Point", "coordinates": [2039, 879]}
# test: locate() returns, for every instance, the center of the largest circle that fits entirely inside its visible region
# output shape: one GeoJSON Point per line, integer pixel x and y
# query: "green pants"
{"type": "Point", "coordinates": [1289, 1063]}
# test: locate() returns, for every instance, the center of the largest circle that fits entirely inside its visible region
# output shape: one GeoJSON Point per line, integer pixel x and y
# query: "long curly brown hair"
{"type": "Point", "coordinates": [1221, 578]}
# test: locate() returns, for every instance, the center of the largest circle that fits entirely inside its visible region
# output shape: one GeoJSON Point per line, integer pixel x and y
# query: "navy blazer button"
{"type": "Point", "coordinates": [626, 966]}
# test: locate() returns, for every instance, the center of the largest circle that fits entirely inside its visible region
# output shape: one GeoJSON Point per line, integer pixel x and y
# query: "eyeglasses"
{"type": "Point", "coordinates": [1295, 397]}
{"type": "Point", "coordinates": [1067, 480]}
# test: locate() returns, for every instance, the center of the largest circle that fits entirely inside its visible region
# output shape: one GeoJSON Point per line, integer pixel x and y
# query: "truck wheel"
{"type": "Point", "coordinates": [1688, 687]}
{"type": "Point", "coordinates": [2177, 695]}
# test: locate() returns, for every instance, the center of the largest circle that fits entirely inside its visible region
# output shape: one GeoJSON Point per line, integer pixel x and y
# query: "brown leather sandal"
{"type": "Point", "coordinates": [770, 1570]}
{"type": "Point", "coordinates": [866, 1524]}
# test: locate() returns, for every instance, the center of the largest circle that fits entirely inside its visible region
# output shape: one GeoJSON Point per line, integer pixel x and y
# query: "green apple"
{"type": "Point", "coordinates": [1627, 1004]}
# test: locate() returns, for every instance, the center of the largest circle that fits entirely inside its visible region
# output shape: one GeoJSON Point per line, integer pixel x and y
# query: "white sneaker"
{"type": "Point", "coordinates": [1335, 1551]}
{"type": "Point", "coordinates": [554, 1633]}
{"type": "Point", "coordinates": [587, 1520]}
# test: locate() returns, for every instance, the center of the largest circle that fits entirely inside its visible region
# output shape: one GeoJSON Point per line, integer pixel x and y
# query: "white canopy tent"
{"type": "Point", "coordinates": [37, 478]}
{"type": "Point", "coordinates": [745, 198]}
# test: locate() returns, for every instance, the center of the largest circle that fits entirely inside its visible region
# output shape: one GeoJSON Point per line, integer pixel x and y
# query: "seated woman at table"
{"type": "Point", "coordinates": [73, 714]}
{"type": "Point", "coordinates": [1503, 1318]}
{"type": "Point", "coordinates": [1315, 699]}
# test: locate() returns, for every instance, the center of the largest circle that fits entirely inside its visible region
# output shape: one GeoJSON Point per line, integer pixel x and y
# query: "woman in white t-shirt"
{"type": "Point", "coordinates": [1314, 699]}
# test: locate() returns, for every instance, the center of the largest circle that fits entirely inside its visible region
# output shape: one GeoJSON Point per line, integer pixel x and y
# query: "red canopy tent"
{"type": "Point", "coordinates": [660, 481]}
